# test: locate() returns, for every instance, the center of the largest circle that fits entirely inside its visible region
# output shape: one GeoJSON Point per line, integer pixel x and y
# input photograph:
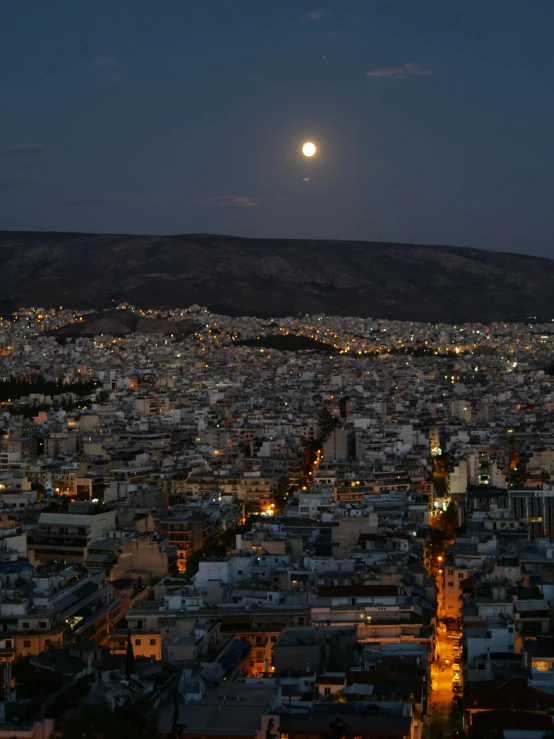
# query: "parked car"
{"type": "Point", "coordinates": [456, 677]}
{"type": "Point", "coordinates": [456, 666]}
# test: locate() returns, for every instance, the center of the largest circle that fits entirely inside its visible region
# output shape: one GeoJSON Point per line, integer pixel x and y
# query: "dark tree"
{"type": "Point", "coordinates": [176, 726]}
{"type": "Point", "coordinates": [485, 733]}
{"type": "Point", "coordinates": [269, 733]}
{"type": "Point", "coordinates": [129, 657]}
{"type": "Point", "coordinates": [338, 728]}
{"type": "Point", "coordinates": [133, 719]}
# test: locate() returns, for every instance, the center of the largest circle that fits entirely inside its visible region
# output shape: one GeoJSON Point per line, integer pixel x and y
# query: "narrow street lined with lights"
{"type": "Point", "coordinates": [441, 673]}
{"type": "Point", "coordinates": [443, 677]}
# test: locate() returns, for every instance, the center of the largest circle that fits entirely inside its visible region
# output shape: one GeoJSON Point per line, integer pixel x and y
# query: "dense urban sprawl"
{"type": "Point", "coordinates": [281, 528]}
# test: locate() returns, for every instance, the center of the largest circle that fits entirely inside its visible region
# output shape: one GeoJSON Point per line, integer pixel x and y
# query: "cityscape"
{"type": "Point", "coordinates": [276, 369]}
{"type": "Point", "coordinates": [276, 527]}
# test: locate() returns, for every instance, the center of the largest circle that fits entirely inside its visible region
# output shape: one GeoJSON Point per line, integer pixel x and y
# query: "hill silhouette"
{"type": "Point", "coordinates": [272, 277]}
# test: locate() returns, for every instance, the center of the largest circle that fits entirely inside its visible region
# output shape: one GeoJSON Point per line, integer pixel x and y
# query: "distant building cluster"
{"type": "Point", "coordinates": [280, 528]}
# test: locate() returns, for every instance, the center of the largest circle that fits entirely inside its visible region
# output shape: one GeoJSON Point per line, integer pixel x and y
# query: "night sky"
{"type": "Point", "coordinates": [434, 119]}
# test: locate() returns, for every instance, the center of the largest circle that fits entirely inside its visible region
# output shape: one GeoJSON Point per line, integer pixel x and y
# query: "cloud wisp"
{"type": "Point", "coordinates": [400, 73]}
{"type": "Point", "coordinates": [14, 180]}
{"type": "Point", "coordinates": [105, 62]}
{"type": "Point", "coordinates": [315, 15]}
{"type": "Point", "coordinates": [18, 149]}
{"type": "Point", "coordinates": [111, 69]}
{"type": "Point", "coordinates": [106, 200]}
{"type": "Point", "coordinates": [231, 201]}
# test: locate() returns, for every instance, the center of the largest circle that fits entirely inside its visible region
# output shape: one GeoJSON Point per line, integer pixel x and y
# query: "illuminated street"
{"type": "Point", "coordinates": [437, 721]}
{"type": "Point", "coordinates": [440, 703]}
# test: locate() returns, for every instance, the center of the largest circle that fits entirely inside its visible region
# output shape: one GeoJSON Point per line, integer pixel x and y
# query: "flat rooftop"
{"type": "Point", "coordinates": [298, 637]}
{"type": "Point", "coordinates": [235, 705]}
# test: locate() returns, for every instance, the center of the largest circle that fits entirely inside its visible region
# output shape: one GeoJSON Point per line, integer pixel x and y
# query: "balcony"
{"type": "Point", "coordinates": [39, 537]}
{"type": "Point", "coordinates": [94, 621]}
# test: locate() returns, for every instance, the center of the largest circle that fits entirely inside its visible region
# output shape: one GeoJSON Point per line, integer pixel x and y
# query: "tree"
{"type": "Point", "coordinates": [41, 490]}
{"type": "Point", "coordinates": [175, 716]}
{"type": "Point", "coordinates": [441, 488]}
{"type": "Point", "coordinates": [176, 726]}
{"type": "Point", "coordinates": [30, 680]}
{"type": "Point", "coordinates": [338, 728]}
{"type": "Point", "coordinates": [129, 657]}
{"type": "Point", "coordinates": [446, 521]}
{"type": "Point", "coordinates": [514, 478]}
{"type": "Point", "coordinates": [485, 733]}
{"type": "Point", "coordinates": [132, 718]}
{"type": "Point", "coordinates": [269, 733]}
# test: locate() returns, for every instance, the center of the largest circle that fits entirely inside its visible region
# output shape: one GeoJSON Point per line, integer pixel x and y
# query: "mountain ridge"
{"type": "Point", "coordinates": [240, 275]}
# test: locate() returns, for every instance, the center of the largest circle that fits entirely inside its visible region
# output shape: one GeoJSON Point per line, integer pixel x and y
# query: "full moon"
{"type": "Point", "coordinates": [309, 149]}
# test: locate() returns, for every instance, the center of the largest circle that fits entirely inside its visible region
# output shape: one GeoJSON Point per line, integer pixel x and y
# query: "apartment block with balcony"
{"type": "Point", "coordinates": [51, 605]}
{"type": "Point", "coordinates": [137, 556]}
{"type": "Point", "coordinates": [538, 655]}
{"type": "Point", "coordinates": [260, 630]}
{"type": "Point", "coordinates": [64, 536]}
{"type": "Point", "coordinates": [188, 532]}
{"type": "Point", "coordinates": [312, 649]}
{"type": "Point", "coordinates": [172, 629]}
{"type": "Point", "coordinates": [380, 613]}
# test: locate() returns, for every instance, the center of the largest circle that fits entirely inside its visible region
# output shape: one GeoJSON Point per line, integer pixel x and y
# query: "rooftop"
{"type": "Point", "coordinates": [237, 707]}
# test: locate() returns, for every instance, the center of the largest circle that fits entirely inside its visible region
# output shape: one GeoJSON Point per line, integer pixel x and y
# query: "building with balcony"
{"type": "Point", "coordinates": [47, 606]}
{"type": "Point", "coordinates": [188, 532]}
{"type": "Point", "coordinates": [138, 556]}
{"type": "Point", "coordinates": [64, 536]}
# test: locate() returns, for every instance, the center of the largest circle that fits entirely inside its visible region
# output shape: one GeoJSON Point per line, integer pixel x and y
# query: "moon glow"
{"type": "Point", "coordinates": [309, 149]}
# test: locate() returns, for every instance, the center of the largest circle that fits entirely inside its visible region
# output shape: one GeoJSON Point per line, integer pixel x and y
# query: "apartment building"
{"type": "Point", "coordinates": [64, 536]}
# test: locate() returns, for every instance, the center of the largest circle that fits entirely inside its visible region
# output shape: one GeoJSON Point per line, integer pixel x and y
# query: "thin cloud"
{"type": "Point", "coordinates": [105, 62]}
{"type": "Point", "coordinates": [236, 201]}
{"type": "Point", "coordinates": [17, 149]}
{"type": "Point", "coordinates": [106, 200]}
{"type": "Point", "coordinates": [13, 180]}
{"type": "Point", "coordinates": [316, 15]}
{"type": "Point", "coordinates": [401, 73]}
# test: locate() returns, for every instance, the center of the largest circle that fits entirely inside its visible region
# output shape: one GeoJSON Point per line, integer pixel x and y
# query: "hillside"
{"type": "Point", "coordinates": [123, 322]}
{"type": "Point", "coordinates": [272, 277]}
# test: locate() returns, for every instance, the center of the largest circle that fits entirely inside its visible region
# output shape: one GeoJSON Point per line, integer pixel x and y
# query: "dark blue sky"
{"type": "Point", "coordinates": [187, 116]}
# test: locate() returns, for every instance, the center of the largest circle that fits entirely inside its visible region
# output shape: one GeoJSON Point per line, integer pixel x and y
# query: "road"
{"type": "Point", "coordinates": [440, 703]}
{"type": "Point", "coordinates": [437, 719]}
